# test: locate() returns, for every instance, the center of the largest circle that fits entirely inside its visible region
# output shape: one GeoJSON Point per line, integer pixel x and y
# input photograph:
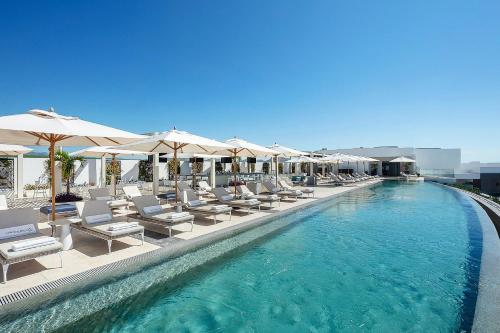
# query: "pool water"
{"type": "Point", "coordinates": [394, 258]}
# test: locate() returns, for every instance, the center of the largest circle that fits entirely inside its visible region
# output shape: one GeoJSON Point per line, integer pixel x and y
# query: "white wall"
{"type": "Point", "coordinates": [430, 158]}
{"type": "Point", "coordinates": [33, 169]}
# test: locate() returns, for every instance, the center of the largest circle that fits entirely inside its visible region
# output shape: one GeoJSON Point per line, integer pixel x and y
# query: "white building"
{"type": "Point", "coordinates": [440, 162]}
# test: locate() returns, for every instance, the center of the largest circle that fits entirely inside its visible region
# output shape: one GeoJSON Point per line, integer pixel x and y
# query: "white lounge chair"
{"type": "Point", "coordinates": [203, 185]}
{"type": "Point", "coordinates": [20, 239]}
{"type": "Point", "coordinates": [150, 210]}
{"type": "Point", "coordinates": [131, 191]}
{"type": "Point", "coordinates": [103, 194]}
{"type": "Point", "coordinates": [271, 188]}
{"type": "Point", "coordinates": [97, 220]}
{"type": "Point", "coordinates": [228, 199]}
{"type": "Point", "coordinates": [192, 203]}
{"type": "Point", "coordinates": [182, 186]}
{"type": "Point", "coordinates": [306, 190]}
{"type": "Point", "coordinates": [247, 194]}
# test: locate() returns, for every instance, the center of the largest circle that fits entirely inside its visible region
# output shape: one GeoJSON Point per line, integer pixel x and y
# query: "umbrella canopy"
{"type": "Point", "coordinates": [303, 159]}
{"type": "Point", "coordinates": [402, 159]}
{"type": "Point", "coordinates": [242, 148]}
{"type": "Point", "coordinates": [176, 142]}
{"type": "Point", "coordinates": [40, 127]}
{"type": "Point", "coordinates": [284, 152]}
{"type": "Point", "coordinates": [106, 152]}
{"type": "Point", "coordinates": [13, 150]}
{"type": "Point", "coordinates": [47, 128]}
{"type": "Point", "coordinates": [287, 152]}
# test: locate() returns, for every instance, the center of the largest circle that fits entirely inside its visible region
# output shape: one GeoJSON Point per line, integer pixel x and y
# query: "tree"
{"type": "Point", "coordinates": [67, 166]}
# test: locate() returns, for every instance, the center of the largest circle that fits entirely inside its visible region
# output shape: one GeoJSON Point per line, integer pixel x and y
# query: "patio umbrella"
{"type": "Point", "coordinates": [286, 152]}
{"type": "Point", "coordinates": [303, 159]}
{"type": "Point", "coordinates": [47, 128]}
{"type": "Point", "coordinates": [98, 151]}
{"type": "Point", "coordinates": [402, 159]}
{"type": "Point", "coordinates": [175, 141]}
{"type": "Point", "coordinates": [242, 148]}
{"type": "Point", "coordinates": [13, 150]}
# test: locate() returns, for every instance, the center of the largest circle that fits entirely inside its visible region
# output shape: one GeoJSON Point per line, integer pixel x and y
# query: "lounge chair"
{"type": "Point", "coordinates": [3, 202]}
{"type": "Point", "coordinates": [131, 191]}
{"type": "Point", "coordinates": [306, 190]}
{"type": "Point", "coordinates": [20, 239]}
{"type": "Point", "coordinates": [102, 193]}
{"type": "Point", "coordinates": [247, 194]}
{"type": "Point", "coordinates": [228, 199]}
{"type": "Point", "coordinates": [345, 179]}
{"type": "Point", "coordinates": [150, 210]}
{"type": "Point", "coordinates": [192, 203]}
{"type": "Point", "coordinates": [203, 185]}
{"type": "Point", "coordinates": [182, 186]}
{"type": "Point", "coordinates": [282, 193]}
{"type": "Point", "coordinates": [97, 220]}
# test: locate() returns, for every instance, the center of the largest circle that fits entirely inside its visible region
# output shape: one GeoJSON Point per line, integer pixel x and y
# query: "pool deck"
{"type": "Point", "coordinates": [90, 252]}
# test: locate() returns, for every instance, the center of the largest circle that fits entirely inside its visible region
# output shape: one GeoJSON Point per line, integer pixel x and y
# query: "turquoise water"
{"type": "Point", "coordinates": [395, 258]}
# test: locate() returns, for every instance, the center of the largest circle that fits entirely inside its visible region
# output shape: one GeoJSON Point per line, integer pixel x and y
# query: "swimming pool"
{"type": "Point", "coordinates": [396, 257]}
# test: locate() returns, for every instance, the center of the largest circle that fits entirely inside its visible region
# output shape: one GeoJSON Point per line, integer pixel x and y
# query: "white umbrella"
{"type": "Point", "coordinates": [240, 147]}
{"type": "Point", "coordinates": [108, 152]}
{"type": "Point", "coordinates": [284, 152]}
{"type": "Point", "coordinates": [47, 128]}
{"type": "Point", "coordinates": [13, 150]}
{"type": "Point", "coordinates": [303, 159]}
{"type": "Point", "coordinates": [175, 142]}
{"type": "Point", "coordinates": [402, 159]}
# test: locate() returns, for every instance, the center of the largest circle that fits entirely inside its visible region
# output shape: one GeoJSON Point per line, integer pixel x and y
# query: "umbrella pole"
{"type": "Point", "coordinates": [175, 171]}
{"type": "Point", "coordinates": [234, 171]}
{"type": "Point", "coordinates": [113, 175]}
{"type": "Point", "coordinates": [52, 176]}
{"type": "Point", "coordinates": [276, 171]}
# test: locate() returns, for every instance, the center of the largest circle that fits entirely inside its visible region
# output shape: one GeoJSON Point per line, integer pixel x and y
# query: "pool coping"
{"type": "Point", "coordinates": [488, 298]}
{"type": "Point", "coordinates": [173, 250]}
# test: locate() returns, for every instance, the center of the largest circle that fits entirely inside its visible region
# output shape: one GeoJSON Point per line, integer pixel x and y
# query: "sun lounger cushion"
{"type": "Point", "coordinates": [152, 209]}
{"type": "Point", "coordinates": [196, 203]}
{"type": "Point", "coordinates": [105, 229]}
{"type": "Point", "coordinates": [220, 207]}
{"type": "Point", "coordinates": [99, 218]}
{"type": "Point", "coordinates": [32, 243]}
{"type": "Point", "coordinates": [227, 197]}
{"type": "Point", "coordinates": [17, 231]}
{"type": "Point", "coordinates": [8, 254]}
{"type": "Point", "coordinates": [107, 198]}
{"type": "Point", "coordinates": [118, 203]}
{"type": "Point", "coordinates": [124, 225]}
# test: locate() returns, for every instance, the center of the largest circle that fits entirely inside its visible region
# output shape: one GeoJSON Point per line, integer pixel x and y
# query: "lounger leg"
{"type": "Point", "coordinates": [60, 259]}
{"type": "Point", "coordinates": [215, 219]}
{"type": "Point", "coordinates": [169, 231]}
{"type": "Point", "coordinates": [142, 238]}
{"type": "Point", "coordinates": [109, 246]}
{"type": "Point", "coordinates": [192, 224]}
{"type": "Point", "coordinates": [5, 268]}
{"type": "Point", "coordinates": [259, 208]}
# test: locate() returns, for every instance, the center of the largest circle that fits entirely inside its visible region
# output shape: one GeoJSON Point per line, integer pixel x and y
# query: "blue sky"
{"type": "Point", "coordinates": [307, 74]}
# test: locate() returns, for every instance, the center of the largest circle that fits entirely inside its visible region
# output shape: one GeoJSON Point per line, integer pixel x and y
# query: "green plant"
{"type": "Point", "coordinates": [67, 164]}
{"type": "Point", "coordinates": [171, 168]}
{"type": "Point", "coordinates": [113, 169]}
{"type": "Point", "coordinates": [145, 171]}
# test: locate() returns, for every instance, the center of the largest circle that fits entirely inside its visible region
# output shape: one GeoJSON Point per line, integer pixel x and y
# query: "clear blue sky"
{"type": "Point", "coordinates": [308, 74]}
